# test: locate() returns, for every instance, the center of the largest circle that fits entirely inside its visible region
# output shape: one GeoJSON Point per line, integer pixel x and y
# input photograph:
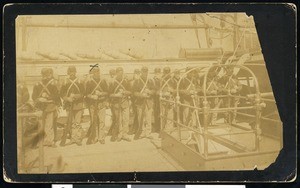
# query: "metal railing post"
{"type": "Point", "coordinates": [205, 126]}
{"type": "Point", "coordinates": [258, 108]}
{"type": "Point", "coordinates": [177, 107]}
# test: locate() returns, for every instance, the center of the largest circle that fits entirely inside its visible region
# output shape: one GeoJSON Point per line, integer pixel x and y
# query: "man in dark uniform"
{"type": "Point", "coordinates": [174, 80]}
{"type": "Point", "coordinates": [96, 98]}
{"type": "Point", "coordinates": [112, 75]}
{"type": "Point", "coordinates": [134, 126]}
{"type": "Point", "coordinates": [156, 108]}
{"type": "Point", "coordinates": [46, 98]}
{"type": "Point", "coordinates": [173, 89]}
{"type": "Point", "coordinates": [188, 91]}
{"type": "Point", "coordinates": [111, 78]}
{"type": "Point", "coordinates": [213, 89]}
{"type": "Point", "coordinates": [233, 86]}
{"type": "Point", "coordinates": [144, 89]}
{"type": "Point", "coordinates": [119, 91]}
{"type": "Point", "coordinates": [167, 93]}
{"type": "Point", "coordinates": [57, 84]}
{"type": "Point", "coordinates": [166, 74]}
{"type": "Point", "coordinates": [72, 93]}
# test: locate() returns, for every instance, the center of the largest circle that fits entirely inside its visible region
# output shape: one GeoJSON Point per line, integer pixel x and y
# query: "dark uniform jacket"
{"type": "Point", "coordinates": [157, 82]}
{"type": "Point", "coordinates": [94, 85]}
{"type": "Point", "coordinates": [46, 89]}
{"type": "Point", "coordinates": [234, 85]}
{"type": "Point", "coordinates": [228, 82]}
{"type": "Point", "coordinates": [173, 85]}
{"type": "Point", "coordinates": [186, 86]}
{"type": "Point", "coordinates": [141, 86]}
{"type": "Point", "coordinates": [120, 86]}
{"type": "Point", "coordinates": [73, 87]}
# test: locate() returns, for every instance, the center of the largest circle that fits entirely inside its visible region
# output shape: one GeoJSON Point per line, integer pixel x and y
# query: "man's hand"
{"type": "Point", "coordinates": [192, 92]}
{"type": "Point", "coordinates": [70, 99]}
{"type": "Point", "coordinates": [166, 94]}
{"type": "Point", "coordinates": [95, 97]}
{"type": "Point", "coordinates": [118, 95]}
{"type": "Point", "coordinates": [145, 95]}
{"type": "Point", "coordinates": [213, 92]}
{"type": "Point", "coordinates": [45, 95]}
{"type": "Point", "coordinates": [147, 91]}
{"type": "Point", "coordinates": [233, 91]}
{"type": "Point", "coordinates": [72, 95]}
{"type": "Point", "coordinates": [102, 93]}
{"type": "Point", "coordinates": [97, 92]}
{"type": "Point", "coordinates": [42, 99]}
{"type": "Point", "coordinates": [126, 92]}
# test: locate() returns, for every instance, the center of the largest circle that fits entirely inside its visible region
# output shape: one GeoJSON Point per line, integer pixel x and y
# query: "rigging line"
{"type": "Point", "coordinates": [222, 57]}
{"type": "Point", "coordinates": [196, 30]}
{"type": "Point", "coordinates": [205, 24]}
{"type": "Point", "coordinates": [214, 27]}
{"type": "Point", "coordinates": [221, 37]}
{"type": "Point", "coordinates": [237, 25]}
{"type": "Point", "coordinates": [249, 29]}
{"type": "Point", "coordinates": [143, 21]}
{"type": "Point", "coordinates": [238, 43]}
{"type": "Point", "coordinates": [234, 54]}
{"type": "Point", "coordinates": [219, 30]}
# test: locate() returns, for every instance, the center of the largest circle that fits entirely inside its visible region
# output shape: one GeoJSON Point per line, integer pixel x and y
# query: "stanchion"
{"type": "Point", "coordinates": [177, 117]}
{"type": "Point", "coordinates": [258, 107]}
{"type": "Point", "coordinates": [205, 126]}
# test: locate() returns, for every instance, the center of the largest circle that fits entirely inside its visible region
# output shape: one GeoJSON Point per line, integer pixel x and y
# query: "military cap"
{"type": "Point", "coordinates": [119, 69]}
{"type": "Point", "coordinates": [167, 70]}
{"type": "Point", "coordinates": [95, 69]}
{"type": "Point", "coordinates": [144, 69]}
{"type": "Point", "coordinates": [157, 70]}
{"type": "Point", "coordinates": [71, 69]}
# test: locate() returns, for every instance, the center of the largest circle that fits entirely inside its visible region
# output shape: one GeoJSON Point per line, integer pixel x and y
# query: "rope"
{"type": "Point", "coordinates": [238, 43]}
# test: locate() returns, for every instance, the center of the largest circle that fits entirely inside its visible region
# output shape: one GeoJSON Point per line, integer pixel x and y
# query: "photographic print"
{"type": "Point", "coordinates": [143, 93]}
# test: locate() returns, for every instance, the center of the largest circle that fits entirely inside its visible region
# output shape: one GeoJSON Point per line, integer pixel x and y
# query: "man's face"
{"type": "Point", "coordinates": [190, 74]}
{"type": "Point", "coordinates": [177, 75]}
{"type": "Point", "coordinates": [157, 75]}
{"type": "Point", "coordinates": [72, 74]}
{"type": "Point", "coordinates": [96, 74]}
{"type": "Point", "coordinates": [137, 75]}
{"type": "Point", "coordinates": [45, 77]}
{"type": "Point", "coordinates": [119, 73]}
{"type": "Point", "coordinates": [144, 74]}
{"type": "Point", "coordinates": [165, 73]}
{"type": "Point", "coordinates": [112, 73]}
{"type": "Point", "coordinates": [50, 76]}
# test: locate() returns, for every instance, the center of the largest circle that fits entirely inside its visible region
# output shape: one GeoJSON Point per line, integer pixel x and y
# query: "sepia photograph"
{"type": "Point", "coordinates": [143, 93]}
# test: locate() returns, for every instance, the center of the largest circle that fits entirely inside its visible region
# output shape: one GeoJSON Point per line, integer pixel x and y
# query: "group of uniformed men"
{"type": "Point", "coordinates": [139, 95]}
